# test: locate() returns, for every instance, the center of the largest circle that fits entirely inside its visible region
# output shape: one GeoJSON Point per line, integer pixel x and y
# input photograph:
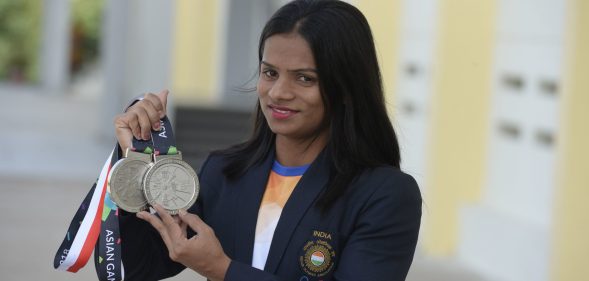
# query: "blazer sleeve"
{"type": "Point", "coordinates": [383, 241]}
{"type": "Point", "coordinates": [144, 254]}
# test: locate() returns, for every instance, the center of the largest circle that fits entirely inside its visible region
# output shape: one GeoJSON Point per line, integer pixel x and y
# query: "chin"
{"type": "Point", "coordinates": [280, 131]}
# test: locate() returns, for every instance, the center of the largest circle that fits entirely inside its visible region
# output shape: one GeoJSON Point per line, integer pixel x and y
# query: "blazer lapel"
{"type": "Point", "coordinates": [301, 199]}
{"type": "Point", "coordinates": [248, 192]}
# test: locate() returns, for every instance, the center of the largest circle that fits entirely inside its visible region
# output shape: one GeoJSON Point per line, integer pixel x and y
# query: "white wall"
{"type": "Point", "coordinates": [415, 84]}
{"type": "Point", "coordinates": [507, 235]}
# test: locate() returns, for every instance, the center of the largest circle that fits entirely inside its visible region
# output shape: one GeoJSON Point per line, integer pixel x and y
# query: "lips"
{"type": "Point", "coordinates": [281, 112]}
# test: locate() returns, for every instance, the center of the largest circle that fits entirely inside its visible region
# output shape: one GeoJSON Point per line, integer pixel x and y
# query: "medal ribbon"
{"type": "Point", "coordinates": [107, 253]}
{"type": "Point", "coordinates": [161, 142]}
{"type": "Point", "coordinates": [97, 216]}
{"type": "Point", "coordinates": [84, 228]}
{"type": "Point", "coordinates": [107, 256]}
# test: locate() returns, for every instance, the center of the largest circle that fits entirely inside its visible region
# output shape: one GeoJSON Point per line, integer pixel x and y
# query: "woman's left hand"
{"type": "Point", "coordinates": [202, 252]}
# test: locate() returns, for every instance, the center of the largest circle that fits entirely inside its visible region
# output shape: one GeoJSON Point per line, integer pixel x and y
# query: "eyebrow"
{"type": "Point", "coordinates": [293, 70]}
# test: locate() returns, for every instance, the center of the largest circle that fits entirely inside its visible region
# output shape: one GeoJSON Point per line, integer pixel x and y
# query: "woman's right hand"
{"type": "Point", "coordinates": [140, 119]}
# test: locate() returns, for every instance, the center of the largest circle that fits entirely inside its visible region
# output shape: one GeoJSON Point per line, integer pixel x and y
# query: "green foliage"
{"type": "Point", "coordinates": [86, 26]}
{"type": "Point", "coordinates": [20, 36]}
{"type": "Point", "coordinates": [88, 14]}
{"type": "Point", "coordinates": [20, 24]}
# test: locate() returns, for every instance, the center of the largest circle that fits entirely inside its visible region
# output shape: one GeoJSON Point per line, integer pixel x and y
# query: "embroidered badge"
{"type": "Point", "coordinates": [318, 256]}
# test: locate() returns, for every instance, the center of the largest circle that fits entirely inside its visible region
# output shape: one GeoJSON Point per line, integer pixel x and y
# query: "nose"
{"type": "Point", "coordinates": [281, 90]}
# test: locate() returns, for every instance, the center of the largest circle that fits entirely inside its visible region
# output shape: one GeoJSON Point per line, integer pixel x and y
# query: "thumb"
{"type": "Point", "coordinates": [163, 96]}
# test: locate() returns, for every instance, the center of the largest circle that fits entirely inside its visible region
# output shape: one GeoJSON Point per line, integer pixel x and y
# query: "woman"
{"type": "Point", "coordinates": [316, 193]}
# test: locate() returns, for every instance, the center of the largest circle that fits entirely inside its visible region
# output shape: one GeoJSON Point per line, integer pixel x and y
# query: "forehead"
{"type": "Point", "coordinates": [288, 50]}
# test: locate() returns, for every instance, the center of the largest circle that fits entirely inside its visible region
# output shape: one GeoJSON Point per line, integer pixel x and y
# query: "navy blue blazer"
{"type": "Point", "coordinates": [370, 233]}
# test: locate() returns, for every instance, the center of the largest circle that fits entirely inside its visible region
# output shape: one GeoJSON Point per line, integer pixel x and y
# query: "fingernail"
{"type": "Point", "coordinates": [182, 212]}
{"type": "Point", "coordinates": [156, 126]}
{"type": "Point", "coordinates": [139, 215]}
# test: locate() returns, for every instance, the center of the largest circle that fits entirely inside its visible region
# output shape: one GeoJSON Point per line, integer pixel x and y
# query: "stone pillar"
{"type": "Point", "coordinates": [55, 46]}
{"type": "Point", "coordinates": [136, 53]}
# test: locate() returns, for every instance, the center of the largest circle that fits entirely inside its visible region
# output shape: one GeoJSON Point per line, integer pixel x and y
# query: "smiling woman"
{"type": "Point", "coordinates": [316, 193]}
{"type": "Point", "coordinates": [290, 97]}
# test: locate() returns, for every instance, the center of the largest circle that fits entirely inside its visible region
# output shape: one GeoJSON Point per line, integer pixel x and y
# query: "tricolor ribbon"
{"type": "Point", "coordinates": [94, 220]}
{"type": "Point", "coordinates": [97, 219]}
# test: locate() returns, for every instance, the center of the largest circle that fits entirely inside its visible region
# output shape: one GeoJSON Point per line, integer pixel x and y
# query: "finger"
{"type": "Point", "coordinates": [184, 228]}
{"type": "Point", "coordinates": [193, 221]}
{"type": "Point", "coordinates": [133, 123]}
{"type": "Point", "coordinates": [165, 216]}
{"type": "Point", "coordinates": [159, 102]}
{"type": "Point", "coordinates": [156, 102]}
{"type": "Point", "coordinates": [158, 225]}
{"type": "Point", "coordinates": [123, 132]}
{"type": "Point", "coordinates": [144, 123]}
{"type": "Point", "coordinates": [152, 114]}
{"type": "Point", "coordinates": [172, 223]}
{"type": "Point", "coordinates": [163, 97]}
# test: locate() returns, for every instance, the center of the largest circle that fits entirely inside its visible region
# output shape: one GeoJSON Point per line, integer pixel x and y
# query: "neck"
{"type": "Point", "coordinates": [296, 152]}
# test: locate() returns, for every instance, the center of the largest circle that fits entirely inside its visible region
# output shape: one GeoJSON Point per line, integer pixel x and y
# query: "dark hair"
{"type": "Point", "coordinates": [361, 135]}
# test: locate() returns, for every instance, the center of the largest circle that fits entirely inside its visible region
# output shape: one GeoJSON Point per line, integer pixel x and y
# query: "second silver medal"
{"type": "Point", "coordinates": [126, 181]}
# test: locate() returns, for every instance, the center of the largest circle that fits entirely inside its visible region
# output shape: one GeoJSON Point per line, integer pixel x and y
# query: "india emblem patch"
{"type": "Point", "coordinates": [318, 258]}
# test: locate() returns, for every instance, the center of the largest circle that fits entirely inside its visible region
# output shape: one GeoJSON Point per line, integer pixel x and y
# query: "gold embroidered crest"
{"type": "Point", "coordinates": [318, 258]}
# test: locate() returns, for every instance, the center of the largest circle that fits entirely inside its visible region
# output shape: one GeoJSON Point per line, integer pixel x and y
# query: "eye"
{"type": "Point", "coordinates": [306, 79]}
{"type": "Point", "coordinates": [270, 73]}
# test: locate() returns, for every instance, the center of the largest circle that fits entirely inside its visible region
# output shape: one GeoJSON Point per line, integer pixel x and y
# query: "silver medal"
{"type": "Point", "coordinates": [171, 183]}
{"type": "Point", "coordinates": [126, 181]}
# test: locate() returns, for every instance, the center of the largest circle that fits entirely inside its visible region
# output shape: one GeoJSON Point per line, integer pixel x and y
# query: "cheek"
{"type": "Point", "coordinates": [318, 102]}
{"type": "Point", "coordinates": [318, 111]}
{"type": "Point", "coordinates": [322, 109]}
{"type": "Point", "coordinates": [321, 114]}
{"type": "Point", "coordinates": [262, 87]}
